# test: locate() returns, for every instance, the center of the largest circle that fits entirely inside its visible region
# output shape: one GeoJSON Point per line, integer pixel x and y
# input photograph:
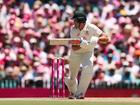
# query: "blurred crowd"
{"type": "Point", "coordinates": [26, 27]}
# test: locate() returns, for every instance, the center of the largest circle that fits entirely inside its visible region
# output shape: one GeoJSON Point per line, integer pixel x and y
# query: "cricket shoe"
{"type": "Point", "coordinates": [80, 96]}
{"type": "Point", "coordinates": [72, 96]}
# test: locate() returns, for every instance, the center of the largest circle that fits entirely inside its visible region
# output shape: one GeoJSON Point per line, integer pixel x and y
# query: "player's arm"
{"type": "Point", "coordinates": [86, 44]}
{"type": "Point", "coordinates": [102, 37]}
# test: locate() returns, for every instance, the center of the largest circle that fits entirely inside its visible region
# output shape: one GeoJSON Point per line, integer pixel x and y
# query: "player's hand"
{"type": "Point", "coordinates": [103, 39]}
{"type": "Point", "coordinates": [75, 47]}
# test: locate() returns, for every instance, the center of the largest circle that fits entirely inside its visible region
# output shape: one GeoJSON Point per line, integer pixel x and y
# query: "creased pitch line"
{"type": "Point", "coordinates": [114, 100]}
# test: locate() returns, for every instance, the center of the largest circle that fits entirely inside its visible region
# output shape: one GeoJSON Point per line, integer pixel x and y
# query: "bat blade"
{"type": "Point", "coordinates": [64, 41]}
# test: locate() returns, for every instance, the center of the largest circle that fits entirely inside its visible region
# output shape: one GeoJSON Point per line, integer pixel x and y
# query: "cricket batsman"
{"type": "Point", "coordinates": [82, 54]}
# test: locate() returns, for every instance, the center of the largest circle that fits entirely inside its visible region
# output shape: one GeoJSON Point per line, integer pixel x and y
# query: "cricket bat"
{"type": "Point", "coordinates": [64, 41]}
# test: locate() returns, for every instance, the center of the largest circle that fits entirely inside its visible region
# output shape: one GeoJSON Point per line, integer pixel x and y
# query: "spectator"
{"type": "Point", "coordinates": [26, 28]}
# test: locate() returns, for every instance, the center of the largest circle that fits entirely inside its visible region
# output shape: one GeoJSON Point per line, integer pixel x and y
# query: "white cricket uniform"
{"type": "Point", "coordinates": [89, 37]}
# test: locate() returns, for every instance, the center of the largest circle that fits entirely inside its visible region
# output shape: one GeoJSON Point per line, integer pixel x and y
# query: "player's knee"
{"type": "Point", "coordinates": [88, 69]}
{"type": "Point", "coordinates": [73, 81]}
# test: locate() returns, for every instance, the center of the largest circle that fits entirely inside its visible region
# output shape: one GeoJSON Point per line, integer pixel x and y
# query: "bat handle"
{"type": "Point", "coordinates": [75, 42]}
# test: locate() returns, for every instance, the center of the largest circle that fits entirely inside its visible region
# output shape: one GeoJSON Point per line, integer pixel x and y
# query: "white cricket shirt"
{"type": "Point", "coordinates": [89, 35]}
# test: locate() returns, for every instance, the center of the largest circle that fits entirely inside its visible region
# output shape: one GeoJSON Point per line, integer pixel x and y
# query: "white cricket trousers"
{"type": "Point", "coordinates": [86, 59]}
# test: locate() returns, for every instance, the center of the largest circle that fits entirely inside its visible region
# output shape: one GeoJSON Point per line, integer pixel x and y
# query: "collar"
{"type": "Point", "coordinates": [84, 29]}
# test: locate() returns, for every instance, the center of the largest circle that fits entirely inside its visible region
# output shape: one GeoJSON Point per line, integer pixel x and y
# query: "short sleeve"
{"type": "Point", "coordinates": [95, 30]}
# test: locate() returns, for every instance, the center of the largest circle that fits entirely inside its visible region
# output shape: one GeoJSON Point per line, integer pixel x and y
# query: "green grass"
{"type": "Point", "coordinates": [87, 101]}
